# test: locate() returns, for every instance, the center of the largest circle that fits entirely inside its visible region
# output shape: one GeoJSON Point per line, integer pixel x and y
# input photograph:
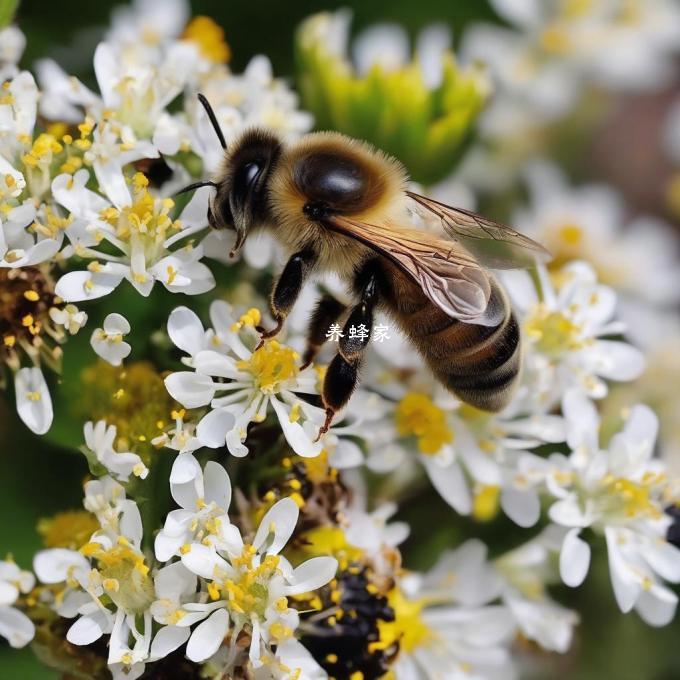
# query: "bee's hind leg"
{"type": "Point", "coordinates": [327, 311]}
{"type": "Point", "coordinates": [287, 289]}
{"type": "Point", "coordinates": [342, 375]}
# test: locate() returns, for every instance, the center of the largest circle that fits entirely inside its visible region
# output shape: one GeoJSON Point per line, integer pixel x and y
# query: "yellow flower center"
{"type": "Point", "coordinates": [209, 37]}
{"type": "Point", "coordinates": [247, 593]}
{"type": "Point", "coordinates": [408, 628]}
{"type": "Point", "coordinates": [485, 504]}
{"type": "Point", "coordinates": [553, 333]}
{"type": "Point", "coordinates": [42, 149]}
{"type": "Point", "coordinates": [271, 365]}
{"type": "Point", "coordinates": [571, 234]}
{"type": "Point", "coordinates": [555, 39]}
{"type": "Point", "coordinates": [634, 497]}
{"type": "Point", "coordinates": [125, 576]}
{"type": "Point", "coordinates": [416, 415]}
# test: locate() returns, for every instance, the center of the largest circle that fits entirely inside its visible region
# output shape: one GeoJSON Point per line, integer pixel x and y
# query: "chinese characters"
{"type": "Point", "coordinates": [380, 333]}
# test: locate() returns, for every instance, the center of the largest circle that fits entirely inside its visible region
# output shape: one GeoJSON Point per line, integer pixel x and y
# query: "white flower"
{"type": "Point", "coordinates": [526, 571]}
{"type": "Point", "coordinates": [141, 22]}
{"type": "Point", "coordinates": [254, 98]}
{"type": "Point", "coordinates": [620, 492]}
{"type": "Point", "coordinates": [250, 586]}
{"type": "Point", "coordinates": [452, 439]}
{"type": "Point", "coordinates": [252, 380]}
{"type": "Point", "coordinates": [100, 439]}
{"type": "Point", "coordinates": [15, 626]}
{"type": "Point", "coordinates": [31, 227]}
{"type": "Point", "coordinates": [444, 624]}
{"type": "Point", "coordinates": [204, 500]}
{"type": "Point", "coordinates": [566, 331]}
{"type": "Point", "coordinates": [110, 590]}
{"type": "Point", "coordinates": [637, 258]}
{"type": "Point", "coordinates": [180, 436]}
{"type": "Point", "coordinates": [70, 317]}
{"type": "Point", "coordinates": [142, 231]}
{"type": "Point", "coordinates": [108, 342]}
{"type": "Point", "coordinates": [34, 404]}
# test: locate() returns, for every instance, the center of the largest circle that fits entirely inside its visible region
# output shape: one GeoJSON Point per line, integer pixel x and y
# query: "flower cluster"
{"type": "Point", "coordinates": [225, 531]}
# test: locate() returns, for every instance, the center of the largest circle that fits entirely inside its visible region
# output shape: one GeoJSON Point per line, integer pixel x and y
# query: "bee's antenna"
{"type": "Point", "coordinates": [196, 185]}
{"type": "Point", "coordinates": [213, 119]}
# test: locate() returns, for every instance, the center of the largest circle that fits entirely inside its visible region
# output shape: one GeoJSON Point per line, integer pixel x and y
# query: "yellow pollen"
{"type": "Point", "coordinates": [186, 548]}
{"type": "Point", "coordinates": [554, 39]}
{"type": "Point", "coordinates": [408, 627]}
{"type": "Point", "coordinates": [27, 320]}
{"type": "Point", "coordinates": [485, 504]}
{"type": "Point", "coordinates": [553, 333]}
{"type": "Point", "coordinates": [9, 340]}
{"type": "Point", "coordinates": [111, 584]}
{"type": "Point", "coordinates": [270, 366]}
{"type": "Point", "coordinates": [213, 591]}
{"type": "Point", "coordinates": [251, 318]}
{"type": "Point", "coordinates": [209, 37]}
{"type": "Point", "coordinates": [33, 396]}
{"type": "Point", "coordinates": [279, 631]}
{"type": "Point", "coordinates": [416, 415]}
{"type": "Point", "coordinates": [635, 497]}
{"type": "Point", "coordinates": [571, 234]}
{"type": "Point", "coordinates": [295, 413]}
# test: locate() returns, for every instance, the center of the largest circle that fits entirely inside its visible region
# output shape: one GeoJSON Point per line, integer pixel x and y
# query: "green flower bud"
{"type": "Point", "coordinates": [397, 108]}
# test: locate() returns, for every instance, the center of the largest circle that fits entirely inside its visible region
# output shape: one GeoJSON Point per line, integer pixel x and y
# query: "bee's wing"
{"type": "Point", "coordinates": [495, 245]}
{"type": "Point", "coordinates": [448, 275]}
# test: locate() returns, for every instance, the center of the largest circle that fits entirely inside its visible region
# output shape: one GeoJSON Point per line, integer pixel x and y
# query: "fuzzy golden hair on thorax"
{"type": "Point", "coordinates": [380, 183]}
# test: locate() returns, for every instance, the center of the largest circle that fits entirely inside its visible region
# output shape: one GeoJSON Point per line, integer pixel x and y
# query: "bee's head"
{"type": "Point", "coordinates": [240, 202]}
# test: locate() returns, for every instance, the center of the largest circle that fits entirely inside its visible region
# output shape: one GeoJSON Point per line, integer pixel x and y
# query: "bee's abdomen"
{"type": "Point", "coordinates": [479, 364]}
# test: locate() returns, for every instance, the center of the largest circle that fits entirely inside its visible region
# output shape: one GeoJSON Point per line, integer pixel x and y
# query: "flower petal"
{"type": "Point", "coordinates": [34, 404]}
{"type": "Point", "coordinates": [277, 526]}
{"type": "Point", "coordinates": [522, 506]}
{"type": "Point", "coordinates": [16, 627]}
{"type": "Point", "coordinates": [574, 559]}
{"type": "Point", "coordinates": [208, 636]}
{"type": "Point", "coordinates": [186, 330]}
{"type": "Point", "coordinates": [190, 389]}
{"type": "Point", "coordinates": [311, 575]}
{"type": "Point", "coordinates": [167, 640]}
{"type": "Point", "coordinates": [217, 485]}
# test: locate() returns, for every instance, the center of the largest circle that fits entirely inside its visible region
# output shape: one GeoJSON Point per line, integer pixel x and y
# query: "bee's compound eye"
{"type": "Point", "coordinates": [245, 178]}
{"type": "Point", "coordinates": [251, 170]}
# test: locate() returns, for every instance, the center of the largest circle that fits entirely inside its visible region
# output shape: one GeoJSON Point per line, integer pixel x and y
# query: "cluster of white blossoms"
{"type": "Point", "coordinates": [223, 532]}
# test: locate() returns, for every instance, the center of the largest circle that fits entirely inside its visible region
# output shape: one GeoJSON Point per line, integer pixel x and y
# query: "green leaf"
{"type": "Point", "coordinates": [7, 10]}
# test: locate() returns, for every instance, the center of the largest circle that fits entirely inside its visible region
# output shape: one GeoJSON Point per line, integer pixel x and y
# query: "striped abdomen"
{"type": "Point", "coordinates": [479, 364]}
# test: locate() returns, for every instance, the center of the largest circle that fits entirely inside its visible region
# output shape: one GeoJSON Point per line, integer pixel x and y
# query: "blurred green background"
{"type": "Point", "coordinates": [37, 479]}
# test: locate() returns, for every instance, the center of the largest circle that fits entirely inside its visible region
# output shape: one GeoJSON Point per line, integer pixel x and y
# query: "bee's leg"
{"type": "Point", "coordinates": [342, 375]}
{"type": "Point", "coordinates": [327, 311]}
{"type": "Point", "coordinates": [287, 289]}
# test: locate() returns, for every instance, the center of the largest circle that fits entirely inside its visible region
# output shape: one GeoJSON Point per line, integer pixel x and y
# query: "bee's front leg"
{"type": "Point", "coordinates": [287, 289]}
{"type": "Point", "coordinates": [342, 375]}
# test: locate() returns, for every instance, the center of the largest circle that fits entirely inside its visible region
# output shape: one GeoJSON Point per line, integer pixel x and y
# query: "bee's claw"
{"type": "Point", "coordinates": [265, 334]}
{"type": "Point", "coordinates": [330, 413]}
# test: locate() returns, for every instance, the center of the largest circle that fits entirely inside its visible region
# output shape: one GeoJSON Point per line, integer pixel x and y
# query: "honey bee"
{"type": "Point", "coordinates": [337, 204]}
